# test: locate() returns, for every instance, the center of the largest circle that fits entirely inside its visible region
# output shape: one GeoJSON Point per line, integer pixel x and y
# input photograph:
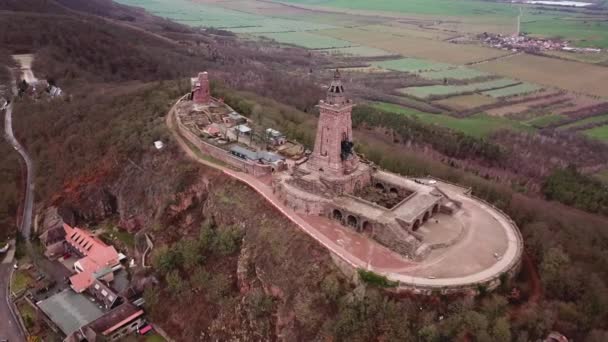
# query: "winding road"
{"type": "Point", "coordinates": [9, 326]}
{"type": "Point", "coordinates": [26, 219]}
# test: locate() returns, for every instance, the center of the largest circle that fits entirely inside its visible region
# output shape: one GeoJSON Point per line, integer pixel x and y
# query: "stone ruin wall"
{"type": "Point", "coordinates": [255, 169]}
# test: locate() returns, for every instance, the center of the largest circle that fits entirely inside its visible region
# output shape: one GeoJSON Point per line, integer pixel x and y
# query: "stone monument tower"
{"type": "Point", "coordinates": [201, 92]}
{"type": "Point", "coordinates": [333, 153]}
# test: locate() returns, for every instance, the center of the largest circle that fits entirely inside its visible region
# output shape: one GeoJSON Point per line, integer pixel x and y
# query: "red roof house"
{"type": "Point", "coordinates": [98, 260]}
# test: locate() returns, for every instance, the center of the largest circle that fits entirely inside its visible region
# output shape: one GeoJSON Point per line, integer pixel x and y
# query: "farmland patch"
{"type": "Point", "coordinates": [205, 15]}
{"type": "Point", "coordinates": [584, 122]}
{"type": "Point", "coordinates": [479, 125]}
{"type": "Point", "coordinates": [440, 51]}
{"type": "Point", "coordinates": [574, 76]}
{"type": "Point", "coordinates": [523, 88]}
{"type": "Point", "coordinates": [447, 90]}
{"type": "Point", "coordinates": [466, 102]}
{"type": "Point", "coordinates": [546, 120]}
{"type": "Point", "coordinates": [308, 40]}
{"type": "Point", "coordinates": [412, 65]}
{"type": "Point", "coordinates": [358, 51]}
{"type": "Point", "coordinates": [456, 73]}
{"type": "Point", "coordinates": [598, 133]}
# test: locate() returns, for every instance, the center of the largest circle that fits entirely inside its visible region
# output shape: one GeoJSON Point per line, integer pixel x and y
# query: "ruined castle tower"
{"type": "Point", "coordinates": [333, 153]}
{"type": "Point", "coordinates": [200, 91]}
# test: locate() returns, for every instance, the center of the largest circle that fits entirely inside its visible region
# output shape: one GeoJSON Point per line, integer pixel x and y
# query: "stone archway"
{"type": "Point", "coordinates": [357, 186]}
{"type": "Point", "coordinates": [366, 228]}
{"type": "Point", "coordinates": [352, 221]}
{"type": "Point", "coordinates": [426, 217]}
{"type": "Point", "coordinates": [416, 225]}
{"type": "Point", "coordinates": [435, 208]}
{"type": "Point", "coordinates": [337, 215]}
{"type": "Point", "coordinates": [380, 186]}
{"type": "Point", "coordinates": [394, 192]}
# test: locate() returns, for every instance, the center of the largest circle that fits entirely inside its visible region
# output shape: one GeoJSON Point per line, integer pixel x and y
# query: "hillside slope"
{"type": "Point", "coordinates": [226, 264]}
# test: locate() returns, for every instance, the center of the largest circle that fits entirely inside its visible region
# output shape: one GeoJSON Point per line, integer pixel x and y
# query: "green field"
{"type": "Point", "coordinates": [523, 88]}
{"type": "Point", "coordinates": [456, 73]}
{"type": "Point", "coordinates": [581, 31]}
{"type": "Point", "coordinates": [446, 90]}
{"type": "Point", "coordinates": [598, 133]}
{"type": "Point", "coordinates": [580, 123]}
{"type": "Point", "coordinates": [198, 14]}
{"type": "Point", "coordinates": [546, 120]}
{"type": "Point", "coordinates": [308, 40]}
{"type": "Point", "coordinates": [412, 65]}
{"type": "Point", "coordinates": [428, 7]}
{"type": "Point", "coordinates": [479, 125]}
{"type": "Point", "coordinates": [359, 51]}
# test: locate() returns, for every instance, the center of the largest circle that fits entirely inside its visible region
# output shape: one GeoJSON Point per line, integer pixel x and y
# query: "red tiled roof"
{"type": "Point", "coordinates": [97, 254]}
{"type": "Point", "coordinates": [81, 281]}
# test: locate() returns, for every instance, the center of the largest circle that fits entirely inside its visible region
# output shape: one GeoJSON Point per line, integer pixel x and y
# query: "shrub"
{"type": "Point", "coordinates": [166, 259]}
{"type": "Point", "coordinates": [175, 282]}
{"type": "Point", "coordinates": [375, 279]}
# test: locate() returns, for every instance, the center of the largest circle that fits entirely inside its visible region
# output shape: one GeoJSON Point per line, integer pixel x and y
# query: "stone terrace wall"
{"type": "Point", "coordinates": [490, 283]}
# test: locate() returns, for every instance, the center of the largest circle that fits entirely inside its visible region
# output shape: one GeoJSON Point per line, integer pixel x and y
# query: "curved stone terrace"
{"type": "Point", "coordinates": [489, 246]}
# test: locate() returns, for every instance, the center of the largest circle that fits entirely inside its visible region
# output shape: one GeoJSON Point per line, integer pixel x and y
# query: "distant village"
{"type": "Point", "coordinates": [526, 43]}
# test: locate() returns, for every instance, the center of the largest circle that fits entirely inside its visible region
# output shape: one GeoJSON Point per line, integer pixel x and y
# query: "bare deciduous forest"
{"type": "Point", "coordinates": [121, 80]}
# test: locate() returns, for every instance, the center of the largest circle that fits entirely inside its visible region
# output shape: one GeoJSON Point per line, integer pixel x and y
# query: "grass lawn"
{"type": "Point", "coordinates": [27, 313]}
{"type": "Point", "coordinates": [20, 281]}
{"type": "Point", "coordinates": [125, 237]}
{"type": "Point", "coordinates": [479, 125]}
{"type": "Point", "coordinates": [599, 133]}
{"type": "Point", "coordinates": [154, 338]}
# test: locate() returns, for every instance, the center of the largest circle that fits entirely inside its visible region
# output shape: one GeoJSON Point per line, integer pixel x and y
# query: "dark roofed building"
{"type": "Point", "coordinates": [259, 156]}
{"type": "Point", "coordinates": [70, 310]}
{"type": "Point", "coordinates": [114, 325]}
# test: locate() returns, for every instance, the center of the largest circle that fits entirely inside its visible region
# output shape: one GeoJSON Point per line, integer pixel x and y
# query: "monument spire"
{"type": "Point", "coordinates": [333, 152]}
{"type": "Point", "coordinates": [335, 92]}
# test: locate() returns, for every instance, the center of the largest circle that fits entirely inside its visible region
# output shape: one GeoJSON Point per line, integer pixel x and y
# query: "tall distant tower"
{"type": "Point", "coordinates": [333, 153]}
{"type": "Point", "coordinates": [200, 88]}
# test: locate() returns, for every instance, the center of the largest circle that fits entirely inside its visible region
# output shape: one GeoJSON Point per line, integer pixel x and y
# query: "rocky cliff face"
{"type": "Point", "coordinates": [259, 278]}
{"type": "Point", "coordinates": [267, 288]}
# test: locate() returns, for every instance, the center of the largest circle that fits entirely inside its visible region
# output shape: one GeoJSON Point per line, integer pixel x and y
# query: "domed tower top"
{"type": "Point", "coordinates": [335, 92]}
